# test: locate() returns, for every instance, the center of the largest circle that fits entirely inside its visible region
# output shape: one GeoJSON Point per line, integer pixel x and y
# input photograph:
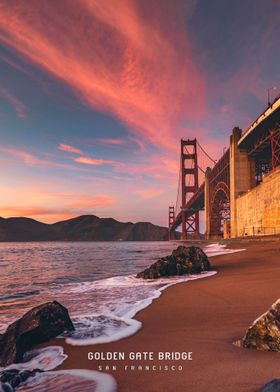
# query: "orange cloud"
{"type": "Point", "coordinates": [26, 211]}
{"type": "Point", "coordinates": [83, 204]}
{"type": "Point", "coordinates": [18, 105]}
{"type": "Point", "coordinates": [67, 148]}
{"type": "Point", "coordinates": [131, 58]}
{"type": "Point", "coordinates": [149, 193]}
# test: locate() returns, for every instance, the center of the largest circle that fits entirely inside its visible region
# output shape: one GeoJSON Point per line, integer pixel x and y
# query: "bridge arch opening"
{"type": "Point", "coordinates": [220, 210]}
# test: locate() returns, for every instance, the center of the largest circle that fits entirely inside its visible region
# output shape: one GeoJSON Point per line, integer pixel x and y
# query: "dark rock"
{"type": "Point", "coordinates": [264, 333]}
{"type": "Point", "coordinates": [183, 260]}
{"type": "Point", "coordinates": [10, 379]}
{"type": "Point", "coordinates": [25, 375]}
{"type": "Point", "coordinates": [5, 387]}
{"type": "Point", "coordinates": [39, 325]}
{"type": "Point", "coordinates": [272, 386]}
{"type": "Point", "coordinates": [15, 381]}
{"type": "Point", "coordinates": [7, 375]}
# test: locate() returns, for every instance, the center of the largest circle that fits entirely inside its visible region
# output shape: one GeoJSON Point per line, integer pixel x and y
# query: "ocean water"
{"type": "Point", "coordinates": [96, 282]}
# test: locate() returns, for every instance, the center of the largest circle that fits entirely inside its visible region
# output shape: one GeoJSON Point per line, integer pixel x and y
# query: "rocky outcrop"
{"type": "Point", "coordinates": [264, 333]}
{"type": "Point", "coordinates": [39, 325]}
{"type": "Point", "coordinates": [272, 386]}
{"type": "Point", "coordinates": [183, 260]}
{"type": "Point", "coordinates": [13, 378]}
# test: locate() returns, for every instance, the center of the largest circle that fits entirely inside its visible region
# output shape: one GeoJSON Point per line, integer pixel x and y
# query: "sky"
{"type": "Point", "coordinates": [96, 95]}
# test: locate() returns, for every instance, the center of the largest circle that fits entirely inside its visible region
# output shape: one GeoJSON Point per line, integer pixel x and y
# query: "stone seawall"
{"type": "Point", "coordinates": [258, 210]}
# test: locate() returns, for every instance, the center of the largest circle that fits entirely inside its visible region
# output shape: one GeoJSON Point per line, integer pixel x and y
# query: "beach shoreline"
{"type": "Point", "coordinates": [204, 317]}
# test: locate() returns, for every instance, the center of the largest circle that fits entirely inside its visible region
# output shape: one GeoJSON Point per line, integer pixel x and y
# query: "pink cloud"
{"type": "Point", "coordinates": [32, 160]}
{"type": "Point", "coordinates": [19, 106]}
{"type": "Point", "coordinates": [14, 65]}
{"type": "Point", "coordinates": [138, 142]}
{"type": "Point", "coordinates": [97, 201]}
{"type": "Point", "coordinates": [28, 158]}
{"type": "Point", "coordinates": [130, 58]}
{"type": "Point", "coordinates": [114, 142]}
{"type": "Point", "coordinates": [156, 166]}
{"type": "Point", "coordinates": [92, 161]}
{"type": "Point", "coordinates": [67, 148]}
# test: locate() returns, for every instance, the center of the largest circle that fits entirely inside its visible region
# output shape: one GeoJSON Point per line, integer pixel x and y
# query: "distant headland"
{"type": "Point", "coordinates": [81, 228]}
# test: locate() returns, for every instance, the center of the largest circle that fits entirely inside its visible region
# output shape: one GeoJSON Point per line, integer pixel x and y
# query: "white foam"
{"type": "Point", "coordinates": [125, 312]}
{"type": "Point", "coordinates": [75, 380]}
{"type": "Point", "coordinates": [47, 358]}
{"type": "Point", "coordinates": [218, 249]}
{"type": "Point", "coordinates": [111, 317]}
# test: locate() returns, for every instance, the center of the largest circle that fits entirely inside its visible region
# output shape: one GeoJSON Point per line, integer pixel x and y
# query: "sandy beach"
{"type": "Point", "coordinates": [204, 317]}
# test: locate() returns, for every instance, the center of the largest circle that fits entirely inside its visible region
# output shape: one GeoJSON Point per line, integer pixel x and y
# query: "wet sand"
{"type": "Point", "coordinates": [204, 317]}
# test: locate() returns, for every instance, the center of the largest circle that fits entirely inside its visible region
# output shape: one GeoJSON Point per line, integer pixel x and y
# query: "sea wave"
{"type": "Point", "coordinates": [102, 311]}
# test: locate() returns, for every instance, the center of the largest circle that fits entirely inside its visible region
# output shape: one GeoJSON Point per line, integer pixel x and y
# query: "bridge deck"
{"type": "Point", "coordinates": [260, 128]}
{"type": "Point", "coordinates": [196, 203]}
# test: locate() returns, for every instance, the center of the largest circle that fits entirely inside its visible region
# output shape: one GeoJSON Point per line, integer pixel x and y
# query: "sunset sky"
{"type": "Point", "coordinates": [95, 96]}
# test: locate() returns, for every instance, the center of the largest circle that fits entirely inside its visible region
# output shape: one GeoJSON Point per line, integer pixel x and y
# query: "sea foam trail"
{"type": "Point", "coordinates": [118, 321]}
{"type": "Point", "coordinates": [49, 358]}
{"type": "Point", "coordinates": [112, 317]}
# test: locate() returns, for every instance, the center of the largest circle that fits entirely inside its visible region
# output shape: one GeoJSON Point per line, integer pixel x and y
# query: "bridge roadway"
{"type": "Point", "coordinates": [194, 204]}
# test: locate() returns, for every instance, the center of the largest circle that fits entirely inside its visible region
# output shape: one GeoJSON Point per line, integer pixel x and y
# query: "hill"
{"type": "Point", "coordinates": [81, 228]}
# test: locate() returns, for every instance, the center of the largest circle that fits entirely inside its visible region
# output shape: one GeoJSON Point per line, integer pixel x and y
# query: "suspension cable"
{"type": "Point", "coordinates": [180, 173]}
{"type": "Point", "coordinates": [211, 159]}
{"type": "Point", "coordinates": [178, 188]}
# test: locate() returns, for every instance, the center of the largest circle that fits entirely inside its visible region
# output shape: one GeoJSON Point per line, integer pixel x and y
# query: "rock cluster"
{"type": "Point", "coordinates": [272, 386]}
{"type": "Point", "coordinates": [39, 325]}
{"type": "Point", "coordinates": [13, 378]}
{"type": "Point", "coordinates": [264, 333]}
{"type": "Point", "coordinates": [183, 260]}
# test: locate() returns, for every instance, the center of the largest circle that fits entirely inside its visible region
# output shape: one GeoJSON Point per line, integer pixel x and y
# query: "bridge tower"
{"type": "Point", "coordinates": [189, 186]}
{"type": "Point", "coordinates": [171, 219]}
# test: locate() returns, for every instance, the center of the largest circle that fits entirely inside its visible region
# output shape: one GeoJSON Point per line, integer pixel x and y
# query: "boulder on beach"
{"type": "Point", "coordinates": [264, 333]}
{"type": "Point", "coordinates": [183, 260]}
{"type": "Point", "coordinates": [272, 386]}
{"type": "Point", "coordinates": [39, 325]}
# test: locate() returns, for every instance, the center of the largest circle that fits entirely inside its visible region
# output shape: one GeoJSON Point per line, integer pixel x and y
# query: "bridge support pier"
{"type": "Point", "coordinates": [207, 203]}
{"type": "Point", "coordinates": [242, 177]}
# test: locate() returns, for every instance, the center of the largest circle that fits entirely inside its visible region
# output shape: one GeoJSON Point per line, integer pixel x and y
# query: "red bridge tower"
{"type": "Point", "coordinates": [189, 186]}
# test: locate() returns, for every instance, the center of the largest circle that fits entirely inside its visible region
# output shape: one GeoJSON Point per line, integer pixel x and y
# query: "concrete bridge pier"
{"type": "Point", "coordinates": [242, 177]}
{"type": "Point", "coordinates": [207, 203]}
{"type": "Point", "coordinates": [232, 176]}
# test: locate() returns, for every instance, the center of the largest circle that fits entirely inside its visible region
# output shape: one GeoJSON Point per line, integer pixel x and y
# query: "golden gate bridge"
{"type": "Point", "coordinates": [214, 186]}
